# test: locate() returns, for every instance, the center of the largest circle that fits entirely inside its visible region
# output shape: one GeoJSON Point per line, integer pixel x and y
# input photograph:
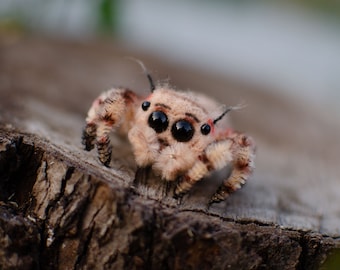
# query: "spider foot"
{"type": "Point", "coordinates": [179, 191]}
{"type": "Point", "coordinates": [178, 198]}
{"type": "Point", "coordinates": [220, 195]}
{"type": "Point", "coordinates": [104, 152]}
{"type": "Point", "coordinates": [141, 176]}
{"type": "Point", "coordinates": [89, 137]}
{"type": "Point", "coordinates": [178, 195]}
{"type": "Point", "coordinates": [167, 187]}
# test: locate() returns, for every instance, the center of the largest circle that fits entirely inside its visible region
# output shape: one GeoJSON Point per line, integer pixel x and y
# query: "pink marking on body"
{"type": "Point", "coordinates": [211, 124]}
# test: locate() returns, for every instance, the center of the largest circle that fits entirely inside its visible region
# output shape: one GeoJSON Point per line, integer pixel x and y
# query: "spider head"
{"type": "Point", "coordinates": [175, 117]}
{"type": "Point", "coordinates": [173, 128]}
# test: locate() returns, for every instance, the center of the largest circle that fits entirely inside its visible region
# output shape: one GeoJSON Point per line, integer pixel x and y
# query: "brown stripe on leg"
{"type": "Point", "coordinates": [104, 150]}
{"type": "Point", "coordinates": [89, 136]}
{"type": "Point", "coordinates": [183, 186]}
{"type": "Point", "coordinates": [222, 193]}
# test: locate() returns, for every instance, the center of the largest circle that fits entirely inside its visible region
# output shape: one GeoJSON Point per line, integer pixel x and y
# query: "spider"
{"type": "Point", "coordinates": [173, 133]}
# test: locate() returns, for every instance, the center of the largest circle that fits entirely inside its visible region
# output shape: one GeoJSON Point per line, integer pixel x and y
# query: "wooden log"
{"type": "Point", "coordinates": [61, 209]}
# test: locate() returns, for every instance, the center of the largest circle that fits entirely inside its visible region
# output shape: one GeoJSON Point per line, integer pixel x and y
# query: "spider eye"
{"type": "Point", "coordinates": [182, 131]}
{"type": "Point", "coordinates": [146, 105]}
{"type": "Point", "coordinates": [205, 129]}
{"type": "Point", "coordinates": [158, 121]}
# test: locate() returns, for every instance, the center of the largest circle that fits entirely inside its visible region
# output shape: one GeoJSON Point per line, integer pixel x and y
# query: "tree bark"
{"type": "Point", "coordinates": [61, 209]}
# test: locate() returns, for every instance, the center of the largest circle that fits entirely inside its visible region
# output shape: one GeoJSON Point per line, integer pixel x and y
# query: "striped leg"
{"type": "Point", "coordinates": [108, 112]}
{"type": "Point", "coordinates": [243, 166]}
{"type": "Point", "coordinates": [238, 150]}
{"type": "Point", "coordinates": [104, 147]}
{"type": "Point", "coordinates": [216, 156]}
{"type": "Point", "coordinates": [89, 136]}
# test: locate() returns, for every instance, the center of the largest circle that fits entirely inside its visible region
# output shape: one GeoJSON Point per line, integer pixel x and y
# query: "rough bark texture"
{"type": "Point", "coordinates": [61, 209]}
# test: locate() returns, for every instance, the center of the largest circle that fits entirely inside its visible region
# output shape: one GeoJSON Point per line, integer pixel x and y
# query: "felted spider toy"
{"type": "Point", "coordinates": [174, 133]}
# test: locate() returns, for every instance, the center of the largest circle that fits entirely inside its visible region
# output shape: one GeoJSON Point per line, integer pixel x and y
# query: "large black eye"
{"type": "Point", "coordinates": [182, 131]}
{"type": "Point", "coordinates": [205, 129]}
{"type": "Point", "coordinates": [146, 105]}
{"type": "Point", "coordinates": [158, 121]}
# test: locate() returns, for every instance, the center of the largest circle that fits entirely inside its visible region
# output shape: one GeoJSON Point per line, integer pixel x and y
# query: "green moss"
{"type": "Point", "coordinates": [332, 262]}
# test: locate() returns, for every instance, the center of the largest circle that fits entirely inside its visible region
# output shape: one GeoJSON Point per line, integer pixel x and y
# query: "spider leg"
{"type": "Point", "coordinates": [215, 156]}
{"type": "Point", "coordinates": [104, 147]}
{"type": "Point", "coordinates": [90, 129]}
{"type": "Point", "coordinates": [239, 150]}
{"type": "Point", "coordinates": [89, 136]}
{"type": "Point", "coordinates": [141, 175]}
{"type": "Point", "coordinates": [186, 182]}
{"type": "Point", "coordinates": [112, 109]}
{"type": "Point", "coordinates": [243, 152]}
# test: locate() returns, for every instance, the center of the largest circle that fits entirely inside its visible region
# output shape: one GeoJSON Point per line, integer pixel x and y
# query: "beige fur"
{"type": "Point", "coordinates": [190, 161]}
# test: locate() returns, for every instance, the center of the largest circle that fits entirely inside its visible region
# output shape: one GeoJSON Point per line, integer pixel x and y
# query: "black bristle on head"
{"type": "Point", "coordinates": [228, 109]}
{"type": "Point", "coordinates": [222, 115]}
{"type": "Point", "coordinates": [146, 72]}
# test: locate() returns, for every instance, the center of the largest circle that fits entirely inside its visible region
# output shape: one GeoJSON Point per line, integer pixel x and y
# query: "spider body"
{"type": "Point", "coordinates": [174, 133]}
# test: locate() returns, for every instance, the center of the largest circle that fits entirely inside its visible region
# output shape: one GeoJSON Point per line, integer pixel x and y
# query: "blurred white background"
{"type": "Point", "coordinates": [292, 47]}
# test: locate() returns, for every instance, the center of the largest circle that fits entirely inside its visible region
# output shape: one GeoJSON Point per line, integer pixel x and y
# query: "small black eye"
{"type": "Point", "coordinates": [158, 121]}
{"type": "Point", "coordinates": [146, 105]}
{"type": "Point", "coordinates": [205, 129]}
{"type": "Point", "coordinates": [182, 131]}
